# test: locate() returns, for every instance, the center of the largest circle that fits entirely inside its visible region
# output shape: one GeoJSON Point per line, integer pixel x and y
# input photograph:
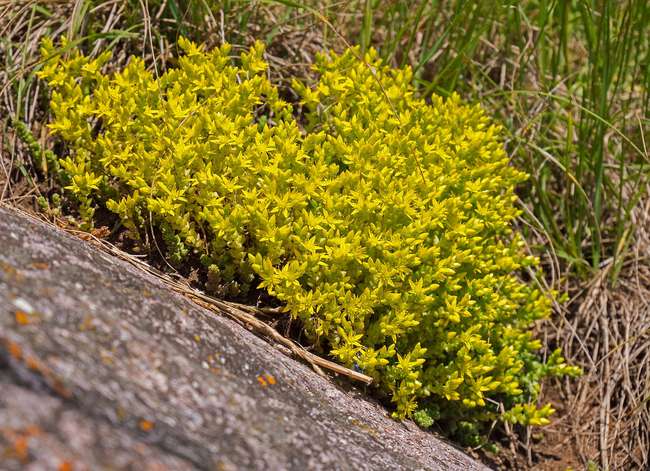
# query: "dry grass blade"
{"type": "Point", "coordinates": [241, 315]}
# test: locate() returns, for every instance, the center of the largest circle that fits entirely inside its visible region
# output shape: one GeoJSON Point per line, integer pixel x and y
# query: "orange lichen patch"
{"type": "Point", "coordinates": [106, 358]}
{"type": "Point", "coordinates": [33, 430]}
{"type": "Point", "coordinates": [215, 370]}
{"type": "Point", "coordinates": [66, 466]}
{"type": "Point", "coordinates": [146, 425]}
{"type": "Point", "coordinates": [22, 318]}
{"type": "Point", "coordinates": [11, 272]}
{"type": "Point", "coordinates": [121, 414]}
{"type": "Point", "coordinates": [88, 323]}
{"type": "Point", "coordinates": [21, 448]}
{"type": "Point", "coordinates": [14, 349]}
{"type": "Point", "coordinates": [266, 380]}
{"type": "Point", "coordinates": [40, 265]}
{"type": "Point", "coordinates": [59, 388]}
{"type": "Point", "coordinates": [34, 364]}
{"type": "Point", "coordinates": [19, 442]}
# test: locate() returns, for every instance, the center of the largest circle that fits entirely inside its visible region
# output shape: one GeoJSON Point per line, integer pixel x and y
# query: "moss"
{"type": "Point", "coordinates": [384, 223]}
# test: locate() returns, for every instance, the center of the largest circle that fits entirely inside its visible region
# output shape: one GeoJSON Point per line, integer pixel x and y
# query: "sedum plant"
{"type": "Point", "coordinates": [383, 222]}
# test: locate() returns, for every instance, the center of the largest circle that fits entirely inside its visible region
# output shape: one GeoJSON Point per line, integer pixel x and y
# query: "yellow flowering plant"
{"type": "Point", "coordinates": [383, 222]}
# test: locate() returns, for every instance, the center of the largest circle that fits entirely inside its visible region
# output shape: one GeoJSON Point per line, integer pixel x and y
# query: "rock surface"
{"type": "Point", "coordinates": [101, 366]}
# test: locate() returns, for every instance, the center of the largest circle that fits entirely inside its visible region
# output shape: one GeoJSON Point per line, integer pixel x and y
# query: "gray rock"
{"type": "Point", "coordinates": [102, 367]}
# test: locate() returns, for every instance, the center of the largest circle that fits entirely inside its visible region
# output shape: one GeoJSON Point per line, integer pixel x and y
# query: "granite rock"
{"type": "Point", "coordinates": [103, 367]}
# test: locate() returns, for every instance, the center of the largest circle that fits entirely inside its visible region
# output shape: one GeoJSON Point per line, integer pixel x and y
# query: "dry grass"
{"type": "Point", "coordinates": [609, 335]}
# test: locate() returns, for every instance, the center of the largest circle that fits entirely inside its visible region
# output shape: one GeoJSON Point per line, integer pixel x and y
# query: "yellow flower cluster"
{"type": "Point", "coordinates": [381, 221]}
